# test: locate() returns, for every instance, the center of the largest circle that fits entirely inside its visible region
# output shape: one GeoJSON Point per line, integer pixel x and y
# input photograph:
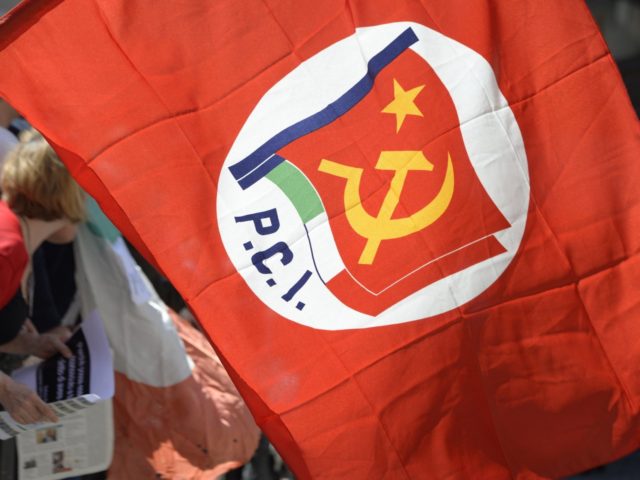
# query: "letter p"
{"type": "Point", "coordinates": [265, 223]}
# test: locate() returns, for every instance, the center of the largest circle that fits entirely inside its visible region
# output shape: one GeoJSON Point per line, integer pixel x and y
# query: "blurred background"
{"type": "Point", "coordinates": [619, 21]}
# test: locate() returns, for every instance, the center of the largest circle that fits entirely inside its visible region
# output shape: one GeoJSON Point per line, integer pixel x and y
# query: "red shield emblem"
{"type": "Point", "coordinates": [405, 205]}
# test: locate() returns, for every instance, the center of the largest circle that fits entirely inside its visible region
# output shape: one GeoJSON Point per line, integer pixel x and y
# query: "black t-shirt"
{"type": "Point", "coordinates": [12, 317]}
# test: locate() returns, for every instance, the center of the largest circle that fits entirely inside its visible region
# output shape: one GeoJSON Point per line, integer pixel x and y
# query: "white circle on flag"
{"type": "Point", "coordinates": [491, 137]}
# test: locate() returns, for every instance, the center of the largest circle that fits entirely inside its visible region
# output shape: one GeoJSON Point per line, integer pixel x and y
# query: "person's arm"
{"type": "Point", "coordinates": [23, 404]}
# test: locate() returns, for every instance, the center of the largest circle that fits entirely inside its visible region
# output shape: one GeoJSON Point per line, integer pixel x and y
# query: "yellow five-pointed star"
{"type": "Point", "coordinates": [403, 103]}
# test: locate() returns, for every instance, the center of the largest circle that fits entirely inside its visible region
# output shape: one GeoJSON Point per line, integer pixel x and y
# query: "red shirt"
{"type": "Point", "coordinates": [13, 254]}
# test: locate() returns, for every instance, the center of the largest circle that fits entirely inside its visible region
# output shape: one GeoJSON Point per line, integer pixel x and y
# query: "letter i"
{"type": "Point", "coordinates": [296, 288]}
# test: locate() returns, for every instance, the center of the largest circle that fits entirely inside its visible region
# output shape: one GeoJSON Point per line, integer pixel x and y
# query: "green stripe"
{"type": "Point", "coordinates": [298, 189]}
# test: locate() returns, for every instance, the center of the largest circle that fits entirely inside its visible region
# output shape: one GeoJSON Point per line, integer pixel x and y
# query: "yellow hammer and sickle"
{"type": "Point", "coordinates": [383, 227]}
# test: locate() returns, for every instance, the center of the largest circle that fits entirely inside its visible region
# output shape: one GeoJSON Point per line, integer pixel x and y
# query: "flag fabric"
{"type": "Point", "coordinates": [410, 229]}
{"type": "Point", "coordinates": [176, 412]}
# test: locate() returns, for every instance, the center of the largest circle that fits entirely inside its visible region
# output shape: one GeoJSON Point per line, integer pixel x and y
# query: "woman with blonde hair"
{"type": "Point", "coordinates": [40, 202]}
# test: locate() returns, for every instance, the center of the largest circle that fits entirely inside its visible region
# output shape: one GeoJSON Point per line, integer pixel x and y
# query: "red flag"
{"type": "Point", "coordinates": [410, 229]}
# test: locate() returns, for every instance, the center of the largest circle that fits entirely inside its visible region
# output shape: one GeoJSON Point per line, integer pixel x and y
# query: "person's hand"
{"type": "Point", "coordinates": [30, 342]}
{"type": "Point", "coordinates": [47, 344]}
{"type": "Point", "coordinates": [63, 332]}
{"type": "Point", "coordinates": [44, 345]}
{"type": "Point", "coordinates": [23, 404]}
